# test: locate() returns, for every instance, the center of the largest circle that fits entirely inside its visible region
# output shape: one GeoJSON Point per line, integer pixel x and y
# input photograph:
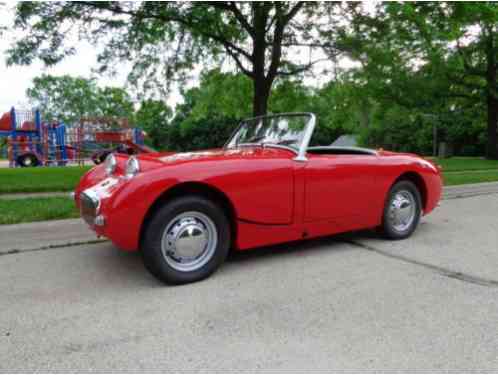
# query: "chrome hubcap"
{"type": "Point", "coordinates": [402, 210]}
{"type": "Point", "coordinates": [189, 241]}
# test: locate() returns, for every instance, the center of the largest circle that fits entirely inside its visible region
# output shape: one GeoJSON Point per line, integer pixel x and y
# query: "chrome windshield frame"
{"type": "Point", "coordinates": [308, 132]}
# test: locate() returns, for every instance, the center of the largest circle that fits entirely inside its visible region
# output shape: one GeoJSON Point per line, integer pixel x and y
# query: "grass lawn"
{"type": "Point", "coordinates": [468, 170]}
{"type": "Point", "coordinates": [452, 178]}
{"type": "Point", "coordinates": [25, 210]}
{"type": "Point", "coordinates": [456, 164]}
{"type": "Point", "coordinates": [41, 179]}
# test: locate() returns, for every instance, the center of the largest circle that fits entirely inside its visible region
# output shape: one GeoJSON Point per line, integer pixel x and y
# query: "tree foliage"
{"type": "Point", "coordinates": [433, 60]}
{"type": "Point", "coordinates": [212, 111]}
{"type": "Point", "coordinates": [153, 116]}
{"type": "Point", "coordinates": [68, 99]}
{"type": "Point", "coordinates": [418, 66]}
{"type": "Point", "coordinates": [164, 40]}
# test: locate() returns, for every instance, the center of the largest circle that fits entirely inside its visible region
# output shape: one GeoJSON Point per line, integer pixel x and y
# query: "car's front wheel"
{"type": "Point", "coordinates": [99, 157]}
{"type": "Point", "coordinates": [402, 210]}
{"type": "Point", "coordinates": [186, 240]}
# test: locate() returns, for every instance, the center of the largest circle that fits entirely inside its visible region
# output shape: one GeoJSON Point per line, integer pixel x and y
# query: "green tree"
{"type": "Point", "coordinates": [63, 98]}
{"type": "Point", "coordinates": [114, 102]}
{"type": "Point", "coordinates": [220, 95]}
{"type": "Point", "coordinates": [68, 99]}
{"type": "Point", "coordinates": [152, 117]}
{"type": "Point", "coordinates": [164, 40]}
{"type": "Point", "coordinates": [438, 57]}
{"type": "Point", "coordinates": [211, 111]}
{"type": "Point", "coordinates": [228, 95]}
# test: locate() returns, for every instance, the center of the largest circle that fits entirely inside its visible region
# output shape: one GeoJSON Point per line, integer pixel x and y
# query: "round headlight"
{"type": "Point", "coordinates": [110, 164]}
{"type": "Point", "coordinates": [132, 167]}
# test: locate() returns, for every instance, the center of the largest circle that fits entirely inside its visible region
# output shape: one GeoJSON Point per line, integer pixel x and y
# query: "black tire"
{"type": "Point", "coordinates": [388, 227]}
{"type": "Point", "coordinates": [100, 157]}
{"type": "Point", "coordinates": [151, 244]}
{"type": "Point", "coordinates": [27, 160]}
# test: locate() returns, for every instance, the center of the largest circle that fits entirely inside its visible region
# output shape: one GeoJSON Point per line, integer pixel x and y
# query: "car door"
{"type": "Point", "coordinates": [258, 181]}
{"type": "Point", "coordinates": [341, 187]}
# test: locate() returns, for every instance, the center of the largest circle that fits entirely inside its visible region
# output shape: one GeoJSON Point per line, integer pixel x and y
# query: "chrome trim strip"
{"type": "Point", "coordinates": [281, 147]}
{"type": "Point", "coordinates": [263, 145]}
{"type": "Point", "coordinates": [250, 145]}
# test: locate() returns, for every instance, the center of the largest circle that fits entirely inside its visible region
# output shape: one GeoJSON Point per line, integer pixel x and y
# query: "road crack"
{"type": "Point", "coordinates": [50, 247]}
{"type": "Point", "coordinates": [464, 277]}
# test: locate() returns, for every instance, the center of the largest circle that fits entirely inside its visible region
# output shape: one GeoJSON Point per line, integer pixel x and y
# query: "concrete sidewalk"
{"type": "Point", "coordinates": [44, 234]}
{"type": "Point", "coordinates": [48, 194]}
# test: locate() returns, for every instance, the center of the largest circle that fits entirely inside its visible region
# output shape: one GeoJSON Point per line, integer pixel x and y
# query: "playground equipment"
{"type": "Point", "coordinates": [114, 133]}
{"type": "Point", "coordinates": [31, 142]}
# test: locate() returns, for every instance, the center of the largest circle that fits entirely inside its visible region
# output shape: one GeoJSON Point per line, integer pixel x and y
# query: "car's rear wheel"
{"type": "Point", "coordinates": [402, 210]}
{"type": "Point", "coordinates": [186, 240]}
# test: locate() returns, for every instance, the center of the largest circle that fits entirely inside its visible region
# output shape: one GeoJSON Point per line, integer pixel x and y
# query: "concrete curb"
{"type": "Point", "coordinates": [470, 190]}
{"type": "Point", "coordinates": [44, 234]}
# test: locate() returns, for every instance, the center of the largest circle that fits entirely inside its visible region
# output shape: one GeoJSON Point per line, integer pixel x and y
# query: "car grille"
{"type": "Point", "coordinates": [88, 208]}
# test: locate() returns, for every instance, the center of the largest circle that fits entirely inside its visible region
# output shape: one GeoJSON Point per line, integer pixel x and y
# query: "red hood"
{"type": "Point", "coordinates": [154, 160]}
{"type": "Point", "coordinates": [169, 158]}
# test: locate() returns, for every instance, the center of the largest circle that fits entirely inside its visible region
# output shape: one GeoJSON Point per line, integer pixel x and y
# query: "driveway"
{"type": "Point", "coordinates": [352, 302]}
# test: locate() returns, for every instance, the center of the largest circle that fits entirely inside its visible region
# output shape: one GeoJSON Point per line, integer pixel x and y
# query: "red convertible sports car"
{"type": "Point", "coordinates": [184, 211]}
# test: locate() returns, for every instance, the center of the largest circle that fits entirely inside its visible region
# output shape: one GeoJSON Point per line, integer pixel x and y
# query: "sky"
{"type": "Point", "coordinates": [14, 80]}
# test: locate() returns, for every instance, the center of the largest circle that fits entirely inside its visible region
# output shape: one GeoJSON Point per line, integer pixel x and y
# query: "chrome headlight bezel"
{"type": "Point", "coordinates": [132, 167]}
{"type": "Point", "coordinates": [110, 164]}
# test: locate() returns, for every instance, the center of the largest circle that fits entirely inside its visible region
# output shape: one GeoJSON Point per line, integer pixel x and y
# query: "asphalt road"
{"type": "Point", "coordinates": [353, 303]}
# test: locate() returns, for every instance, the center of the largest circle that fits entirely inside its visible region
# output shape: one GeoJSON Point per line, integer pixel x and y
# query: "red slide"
{"type": "Point", "coordinates": [5, 122]}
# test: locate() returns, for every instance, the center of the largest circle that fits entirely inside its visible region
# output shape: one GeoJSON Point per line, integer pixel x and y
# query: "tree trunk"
{"type": "Point", "coordinates": [261, 89]}
{"type": "Point", "coordinates": [261, 94]}
{"type": "Point", "coordinates": [492, 100]}
{"type": "Point", "coordinates": [492, 143]}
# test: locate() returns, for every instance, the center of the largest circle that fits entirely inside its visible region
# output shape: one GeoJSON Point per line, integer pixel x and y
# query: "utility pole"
{"type": "Point", "coordinates": [434, 139]}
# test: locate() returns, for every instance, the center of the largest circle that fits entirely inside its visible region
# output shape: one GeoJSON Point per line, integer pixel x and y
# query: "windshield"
{"type": "Point", "coordinates": [282, 130]}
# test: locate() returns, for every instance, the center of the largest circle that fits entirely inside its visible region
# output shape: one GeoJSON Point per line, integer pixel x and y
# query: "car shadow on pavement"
{"type": "Point", "coordinates": [311, 247]}
{"type": "Point", "coordinates": [296, 248]}
{"type": "Point", "coordinates": [121, 267]}
{"type": "Point", "coordinates": [129, 266]}
{"type": "Point", "coordinates": [130, 263]}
